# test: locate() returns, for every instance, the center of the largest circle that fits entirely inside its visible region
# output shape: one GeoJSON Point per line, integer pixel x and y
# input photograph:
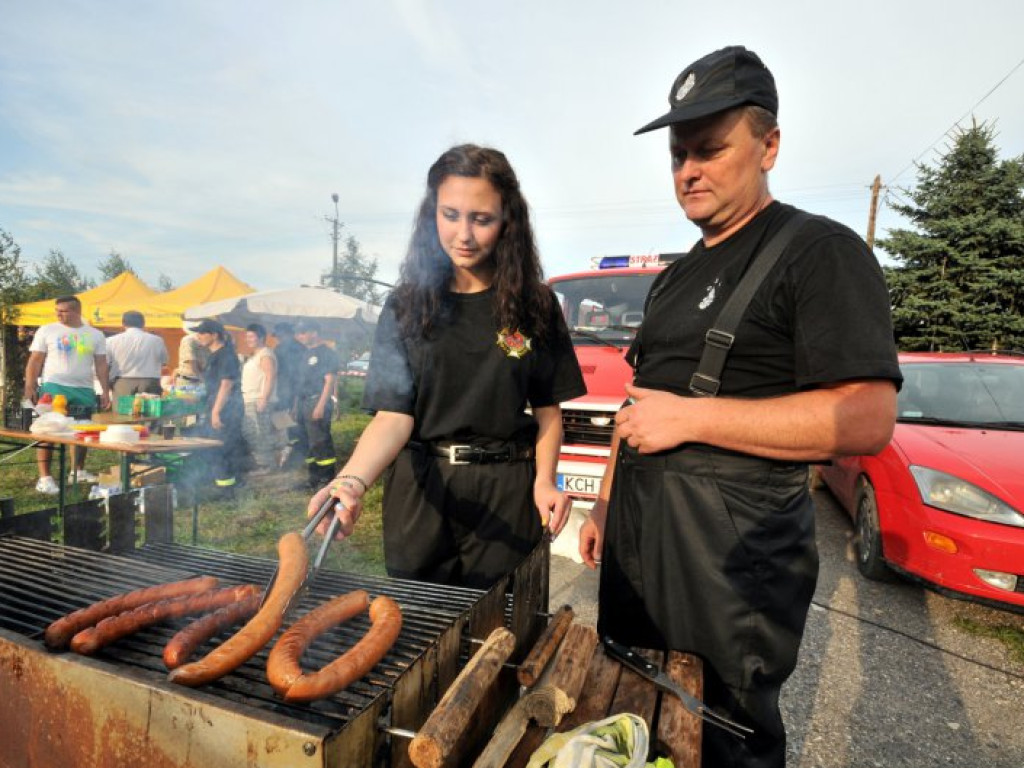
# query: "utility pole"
{"type": "Point", "coordinates": [334, 239]}
{"type": "Point", "coordinates": [877, 185]}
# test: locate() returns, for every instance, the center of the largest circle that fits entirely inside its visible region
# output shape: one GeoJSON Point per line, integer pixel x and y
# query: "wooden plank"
{"type": "Point", "coordinates": [636, 694]}
{"type": "Point", "coordinates": [569, 671]}
{"type": "Point", "coordinates": [679, 731]}
{"type": "Point", "coordinates": [529, 744]}
{"type": "Point", "coordinates": [598, 690]}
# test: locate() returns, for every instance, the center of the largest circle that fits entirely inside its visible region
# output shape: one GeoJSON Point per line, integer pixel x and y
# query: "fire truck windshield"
{"type": "Point", "coordinates": [604, 308]}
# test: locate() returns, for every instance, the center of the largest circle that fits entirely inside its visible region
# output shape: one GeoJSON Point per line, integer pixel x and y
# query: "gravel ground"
{"type": "Point", "coordinates": [886, 678]}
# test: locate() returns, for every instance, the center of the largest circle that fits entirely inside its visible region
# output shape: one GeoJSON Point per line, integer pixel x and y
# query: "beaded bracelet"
{"type": "Point", "coordinates": [356, 478]}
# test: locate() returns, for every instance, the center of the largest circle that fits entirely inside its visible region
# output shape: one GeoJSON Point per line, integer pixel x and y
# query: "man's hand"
{"type": "Point", "coordinates": [552, 504]}
{"type": "Point", "coordinates": [592, 535]}
{"type": "Point", "coordinates": [104, 401]}
{"type": "Point", "coordinates": [655, 421]}
{"type": "Point", "coordinates": [215, 421]}
{"type": "Point", "coordinates": [318, 412]}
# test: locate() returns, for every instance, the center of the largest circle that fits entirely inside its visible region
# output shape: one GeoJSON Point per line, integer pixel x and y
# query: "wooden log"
{"type": "Point", "coordinates": [679, 730]}
{"type": "Point", "coordinates": [543, 699]}
{"type": "Point", "coordinates": [535, 662]}
{"type": "Point", "coordinates": [567, 673]}
{"type": "Point", "coordinates": [436, 740]}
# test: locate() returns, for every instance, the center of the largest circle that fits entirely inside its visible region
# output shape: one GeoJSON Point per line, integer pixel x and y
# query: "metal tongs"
{"type": "Point", "coordinates": [651, 671]}
{"type": "Point", "coordinates": [307, 532]}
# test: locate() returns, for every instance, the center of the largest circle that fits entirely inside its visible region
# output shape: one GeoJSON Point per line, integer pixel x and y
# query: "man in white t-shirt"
{"type": "Point", "coordinates": [64, 355]}
{"type": "Point", "coordinates": [136, 358]}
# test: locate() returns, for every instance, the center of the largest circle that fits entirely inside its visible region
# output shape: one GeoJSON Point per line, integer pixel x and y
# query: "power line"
{"type": "Point", "coordinates": [945, 133]}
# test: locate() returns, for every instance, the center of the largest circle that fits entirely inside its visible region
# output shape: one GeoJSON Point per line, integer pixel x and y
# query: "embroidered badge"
{"type": "Point", "coordinates": [685, 87]}
{"type": "Point", "coordinates": [709, 299]}
{"type": "Point", "coordinates": [513, 343]}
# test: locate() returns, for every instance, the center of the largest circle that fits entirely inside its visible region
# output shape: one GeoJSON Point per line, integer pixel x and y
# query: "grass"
{"type": "Point", "coordinates": [260, 513]}
{"type": "Point", "coordinates": [1011, 637]}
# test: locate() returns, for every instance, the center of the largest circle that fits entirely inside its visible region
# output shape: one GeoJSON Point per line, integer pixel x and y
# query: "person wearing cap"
{"type": "Point", "coordinates": [314, 398]}
{"type": "Point", "coordinates": [136, 358]}
{"type": "Point", "coordinates": [471, 358]}
{"type": "Point", "coordinates": [704, 526]}
{"type": "Point", "coordinates": [224, 409]}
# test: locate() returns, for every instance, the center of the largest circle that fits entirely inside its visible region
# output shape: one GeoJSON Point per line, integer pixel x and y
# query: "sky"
{"type": "Point", "coordinates": [194, 133]}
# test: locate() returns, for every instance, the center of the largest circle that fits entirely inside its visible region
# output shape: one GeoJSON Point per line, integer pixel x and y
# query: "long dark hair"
{"type": "Point", "coordinates": [522, 301]}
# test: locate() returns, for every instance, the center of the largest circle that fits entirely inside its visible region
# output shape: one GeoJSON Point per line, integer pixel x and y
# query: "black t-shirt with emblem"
{"type": "Point", "coordinates": [316, 363]}
{"type": "Point", "coordinates": [821, 315]}
{"type": "Point", "coordinates": [468, 382]}
{"type": "Point", "coordinates": [223, 364]}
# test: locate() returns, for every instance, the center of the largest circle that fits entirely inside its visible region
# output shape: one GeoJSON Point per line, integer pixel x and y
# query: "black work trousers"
{"type": "Point", "coordinates": [464, 524]}
{"type": "Point", "coordinates": [321, 460]}
{"type": "Point", "coordinates": [713, 553]}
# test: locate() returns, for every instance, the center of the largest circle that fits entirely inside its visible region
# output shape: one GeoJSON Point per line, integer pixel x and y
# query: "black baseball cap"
{"type": "Point", "coordinates": [306, 325]}
{"type": "Point", "coordinates": [208, 326]}
{"type": "Point", "coordinates": [728, 78]}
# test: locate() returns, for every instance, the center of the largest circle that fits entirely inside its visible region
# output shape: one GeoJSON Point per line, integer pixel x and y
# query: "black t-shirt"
{"type": "Point", "coordinates": [821, 316]}
{"type": "Point", "coordinates": [223, 364]}
{"type": "Point", "coordinates": [469, 382]}
{"type": "Point", "coordinates": [290, 354]}
{"type": "Point", "coordinates": [315, 364]}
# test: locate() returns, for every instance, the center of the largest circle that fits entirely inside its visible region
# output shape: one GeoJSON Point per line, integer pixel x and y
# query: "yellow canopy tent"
{"type": "Point", "coordinates": [102, 306]}
{"type": "Point", "coordinates": [165, 310]}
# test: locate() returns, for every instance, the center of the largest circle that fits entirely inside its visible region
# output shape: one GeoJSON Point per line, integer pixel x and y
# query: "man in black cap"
{"type": "Point", "coordinates": [315, 403]}
{"type": "Point", "coordinates": [707, 533]}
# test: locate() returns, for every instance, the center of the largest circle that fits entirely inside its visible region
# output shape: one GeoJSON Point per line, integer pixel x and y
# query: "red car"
{"type": "Point", "coordinates": [944, 501]}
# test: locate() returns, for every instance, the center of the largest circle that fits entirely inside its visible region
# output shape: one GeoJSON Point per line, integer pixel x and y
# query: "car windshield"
{"type": "Point", "coordinates": [990, 394]}
{"type": "Point", "coordinates": [604, 308]}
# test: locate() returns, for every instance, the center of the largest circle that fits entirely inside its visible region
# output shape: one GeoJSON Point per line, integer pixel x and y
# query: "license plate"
{"type": "Point", "coordinates": [586, 484]}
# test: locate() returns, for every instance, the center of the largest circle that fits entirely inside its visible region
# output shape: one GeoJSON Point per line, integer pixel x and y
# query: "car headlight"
{"type": "Point", "coordinates": [955, 495]}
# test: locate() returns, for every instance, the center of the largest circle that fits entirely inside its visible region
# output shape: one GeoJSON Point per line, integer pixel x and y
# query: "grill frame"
{"type": "Point", "coordinates": [347, 729]}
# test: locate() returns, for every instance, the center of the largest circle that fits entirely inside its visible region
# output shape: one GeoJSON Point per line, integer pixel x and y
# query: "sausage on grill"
{"type": "Point", "coordinates": [60, 632]}
{"type": "Point", "coordinates": [386, 616]}
{"type": "Point", "coordinates": [184, 644]}
{"type": "Point", "coordinates": [283, 662]}
{"type": "Point", "coordinates": [248, 641]}
{"type": "Point", "coordinates": [113, 628]}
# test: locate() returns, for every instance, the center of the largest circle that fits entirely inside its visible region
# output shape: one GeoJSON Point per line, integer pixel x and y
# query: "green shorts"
{"type": "Point", "coordinates": [80, 399]}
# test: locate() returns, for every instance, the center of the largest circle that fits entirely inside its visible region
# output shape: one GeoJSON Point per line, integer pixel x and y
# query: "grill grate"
{"type": "Point", "coordinates": [40, 581]}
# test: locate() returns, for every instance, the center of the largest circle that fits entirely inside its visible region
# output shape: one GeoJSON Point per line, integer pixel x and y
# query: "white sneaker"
{"type": "Point", "coordinates": [47, 485]}
{"type": "Point", "coordinates": [84, 476]}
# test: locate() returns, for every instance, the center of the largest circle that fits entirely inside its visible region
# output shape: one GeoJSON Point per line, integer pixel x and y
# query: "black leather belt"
{"type": "Point", "coordinates": [475, 454]}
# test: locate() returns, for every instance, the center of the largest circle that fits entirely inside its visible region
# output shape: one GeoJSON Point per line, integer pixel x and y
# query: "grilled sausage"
{"type": "Point", "coordinates": [247, 641]}
{"type": "Point", "coordinates": [113, 628]}
{"type": "Point", "coordinates": [185, 643]}
{"type": "Point", "coordinates": [386, 616]}
{"type": "Point", "coordinates": [283, 662]}
{"type": "Point", "coordinates": [60, 632]}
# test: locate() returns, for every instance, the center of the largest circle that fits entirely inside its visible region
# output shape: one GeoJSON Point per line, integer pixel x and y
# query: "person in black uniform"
{"type": "Point", "coordinates": [222, 378]}
{"type": "Point", "coordinates": [289, 354]}
{"type": "Point", "coordinates": [704, 526]}
{"type": "Point", "coordinates": [318, 372]}
{"type": "Point", "coordinates": [471, 359]}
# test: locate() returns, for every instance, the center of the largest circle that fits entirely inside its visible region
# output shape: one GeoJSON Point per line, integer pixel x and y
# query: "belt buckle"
{"type": "Point", "coordinates": [453, 450]}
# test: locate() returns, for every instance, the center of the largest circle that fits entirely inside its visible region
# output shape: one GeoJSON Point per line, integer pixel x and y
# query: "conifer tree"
{"type": "Point", "coordinates": [959, 279]}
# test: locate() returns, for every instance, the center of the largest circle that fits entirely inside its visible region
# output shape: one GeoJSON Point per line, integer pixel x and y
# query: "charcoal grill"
{"type": "Point", "coordinates": [117, 708]}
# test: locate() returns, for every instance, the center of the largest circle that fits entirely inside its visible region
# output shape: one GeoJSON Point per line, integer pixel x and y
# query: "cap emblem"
{"type": "Point", "coordinates": [685, 87]}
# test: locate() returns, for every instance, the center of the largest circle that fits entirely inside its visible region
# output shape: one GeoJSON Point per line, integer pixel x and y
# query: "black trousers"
{"type": "Point", "coordinates": [321, 460]}
{"type": "Point", "coordinates": [713, 553]}
{"type": "Point", "coordinates": [465, 525]}
{"type": "Point", "coordinates": [225, 463]}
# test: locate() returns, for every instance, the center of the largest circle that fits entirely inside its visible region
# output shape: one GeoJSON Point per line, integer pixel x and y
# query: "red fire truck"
{"type": "Point", "coordinates": [603, 308]}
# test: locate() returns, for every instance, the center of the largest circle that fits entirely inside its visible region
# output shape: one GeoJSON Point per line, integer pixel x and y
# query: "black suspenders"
{"type": "Point", "coordinates": [719, 339]}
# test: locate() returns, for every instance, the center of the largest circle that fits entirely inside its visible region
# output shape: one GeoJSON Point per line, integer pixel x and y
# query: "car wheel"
{"type": "Point", "coordinates": [869, 538]}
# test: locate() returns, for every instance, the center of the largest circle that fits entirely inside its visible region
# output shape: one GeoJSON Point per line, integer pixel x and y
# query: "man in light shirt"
{"type": "Point", "coordinates": [63, 356]}
{"type": "Point", "coordinates": [136, 357]}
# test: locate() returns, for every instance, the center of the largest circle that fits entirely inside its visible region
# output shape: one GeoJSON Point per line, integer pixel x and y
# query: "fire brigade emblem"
{"type": "Point", "coordinates": [513, 343]}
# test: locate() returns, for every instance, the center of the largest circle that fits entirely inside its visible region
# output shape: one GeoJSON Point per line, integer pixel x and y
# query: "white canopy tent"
{"type": "Point", "coordinates": [341, 317]}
